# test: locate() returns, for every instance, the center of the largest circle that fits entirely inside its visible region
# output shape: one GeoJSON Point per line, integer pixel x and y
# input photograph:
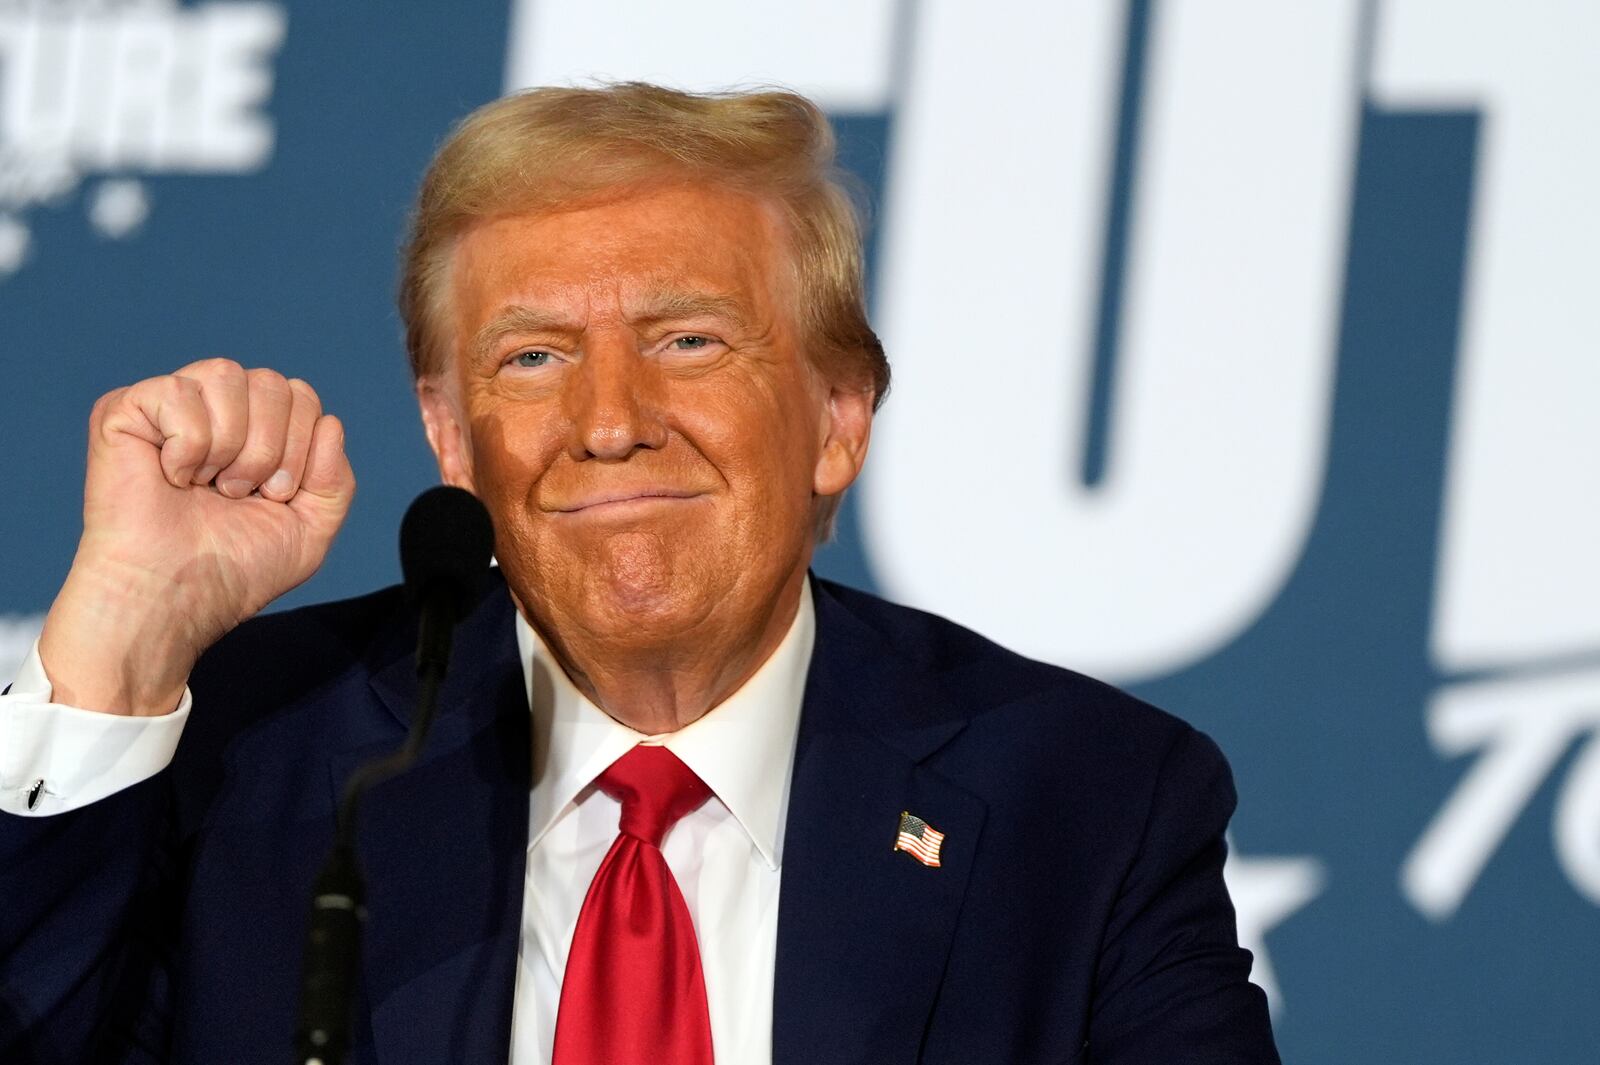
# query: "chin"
{"type": "Point", "coordinates": [638, 583]}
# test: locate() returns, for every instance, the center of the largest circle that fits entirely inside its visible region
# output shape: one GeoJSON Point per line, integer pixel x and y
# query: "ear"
{"type": "Point", "coordinates": [846, 429]}
{"type": "Point", "coordinates": [445, 424]}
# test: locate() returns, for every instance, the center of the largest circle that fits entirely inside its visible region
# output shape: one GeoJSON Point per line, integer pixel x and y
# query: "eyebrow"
{"type": "Point", "coordinates": [666, 304]}
{"type": "Point", "coordinates": [659, 305]}
{"type": "Point", "coordinates": [518, 319]}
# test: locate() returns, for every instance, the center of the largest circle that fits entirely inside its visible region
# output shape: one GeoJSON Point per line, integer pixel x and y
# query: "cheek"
{"type": "Point", "coordinates": [510, 456]}
{"type": "Point", "coordinates": [761, 434]}
{"type": "Point", "coordinates": [510, 453]}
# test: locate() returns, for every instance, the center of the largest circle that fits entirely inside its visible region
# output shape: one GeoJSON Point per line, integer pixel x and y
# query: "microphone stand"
{"type": "Point", "coordinates": [338, 910]}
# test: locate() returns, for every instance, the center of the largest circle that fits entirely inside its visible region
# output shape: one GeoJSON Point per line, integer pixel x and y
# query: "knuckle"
{"type": "Point", "coordinates": [171, 392]}
{"type": "Point", "coordinates": [103, 410]}
{"type": "Point", "coordinates": [303, 391]}
{"type": "Point", "coordinates": [267, 380]}
{"type": "Point", "coordinates": [217, 367]}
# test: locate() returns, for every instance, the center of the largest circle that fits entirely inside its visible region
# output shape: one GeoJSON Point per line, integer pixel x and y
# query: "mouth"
{"type": "Point", "coordinates": [622, 502]}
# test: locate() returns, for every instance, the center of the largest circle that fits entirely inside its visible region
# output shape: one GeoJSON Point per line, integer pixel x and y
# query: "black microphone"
{"type": "Point", "coordinates": [446, 542]}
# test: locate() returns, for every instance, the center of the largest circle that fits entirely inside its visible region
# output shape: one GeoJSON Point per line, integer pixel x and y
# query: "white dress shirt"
{"type": "Point", "coordinates": [726, 856]}
{"type": "Point", "coordinates": [55, 758]}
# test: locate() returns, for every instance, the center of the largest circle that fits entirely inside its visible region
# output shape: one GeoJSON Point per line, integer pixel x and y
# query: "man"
{"type": "Point", "coordinates": [635, 321]}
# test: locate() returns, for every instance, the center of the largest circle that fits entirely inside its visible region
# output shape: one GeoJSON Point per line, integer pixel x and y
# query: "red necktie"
{"type": "Point", "coordinates": [633, 993]}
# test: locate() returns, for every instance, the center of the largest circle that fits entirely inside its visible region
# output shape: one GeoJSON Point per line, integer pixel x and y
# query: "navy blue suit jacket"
{"type": "Point", "coordinates": [1079, 914]}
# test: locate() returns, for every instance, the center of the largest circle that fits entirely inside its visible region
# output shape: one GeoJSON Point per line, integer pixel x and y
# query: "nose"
{"type": "Point", "coordinates": [613, 401]}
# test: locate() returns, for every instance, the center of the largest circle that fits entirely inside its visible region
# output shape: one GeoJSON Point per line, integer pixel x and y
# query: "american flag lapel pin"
{"type": "Point", "coordinates": [918, 839]}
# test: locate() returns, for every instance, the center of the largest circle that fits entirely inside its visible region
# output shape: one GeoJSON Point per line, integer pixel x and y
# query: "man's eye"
{"type": "Point", "coordinates": [691, 343]}
{"type": "Point", "coordinates": [531, 359]}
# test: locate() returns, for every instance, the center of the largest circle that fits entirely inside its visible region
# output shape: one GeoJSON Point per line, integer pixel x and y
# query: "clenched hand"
{"type": "Point", "coordinates": [210, 492]}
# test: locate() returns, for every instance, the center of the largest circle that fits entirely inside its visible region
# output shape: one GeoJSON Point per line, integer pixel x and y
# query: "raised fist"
{"type": "Point", "coordinates": [210, 492]}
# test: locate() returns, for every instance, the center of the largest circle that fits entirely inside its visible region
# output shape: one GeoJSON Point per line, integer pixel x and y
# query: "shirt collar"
{"type": "Point", "coordinates": [743, 748]}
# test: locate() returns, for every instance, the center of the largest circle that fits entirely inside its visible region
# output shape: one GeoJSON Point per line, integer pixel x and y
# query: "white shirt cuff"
{"type": "Point", "coordinates": [55, 758]}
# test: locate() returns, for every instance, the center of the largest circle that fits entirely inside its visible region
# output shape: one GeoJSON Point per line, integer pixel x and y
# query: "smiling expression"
{"type": "Point", "coordinates": [631, 399]}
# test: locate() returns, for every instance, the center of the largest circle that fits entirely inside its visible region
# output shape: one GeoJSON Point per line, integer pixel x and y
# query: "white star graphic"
{"type": "Point", "coordinates": [1266, 891]}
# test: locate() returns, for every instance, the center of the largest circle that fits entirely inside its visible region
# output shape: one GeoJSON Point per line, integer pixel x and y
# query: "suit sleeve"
{"type": "Point", "coordinates": [1172, 983]}
{"type": "Point", "coordinates": [87, 922]}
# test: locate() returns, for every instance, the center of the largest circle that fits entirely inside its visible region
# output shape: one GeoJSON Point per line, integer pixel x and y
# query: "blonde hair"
{"type": "Point", "coordinates": [546, 147]}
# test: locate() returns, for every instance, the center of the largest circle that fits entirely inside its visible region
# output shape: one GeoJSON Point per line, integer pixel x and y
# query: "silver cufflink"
{"type": "Point", "coordinates": [34, 793]}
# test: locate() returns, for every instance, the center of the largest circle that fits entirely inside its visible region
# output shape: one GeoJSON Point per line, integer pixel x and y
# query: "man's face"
{"type": "Point", "coordinates": [631, 400]}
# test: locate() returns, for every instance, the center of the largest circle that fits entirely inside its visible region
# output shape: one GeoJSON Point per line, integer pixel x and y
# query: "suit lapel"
{"type": "Point", "coordinates": [443, 847]}
{"type": "Point", "coordinates": [864, 931]}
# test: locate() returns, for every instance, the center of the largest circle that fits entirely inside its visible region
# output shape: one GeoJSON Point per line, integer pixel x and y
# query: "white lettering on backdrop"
{"type": "Point", "coordinates": [1519, 573]}
{"type": "Point", "coordinates": [143, 86]}
{"type": "Point", "coordinates": [1228, 321]}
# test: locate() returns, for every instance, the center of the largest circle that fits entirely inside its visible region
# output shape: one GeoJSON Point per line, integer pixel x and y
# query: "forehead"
{"type": "Point", "coordinates": [605, 254]}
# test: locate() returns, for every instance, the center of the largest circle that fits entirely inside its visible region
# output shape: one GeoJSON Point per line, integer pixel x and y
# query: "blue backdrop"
{"type": "Point", "coordinates": [1245, 355]}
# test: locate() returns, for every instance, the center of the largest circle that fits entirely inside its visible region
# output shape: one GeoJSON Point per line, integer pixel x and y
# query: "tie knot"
{"type": "Point", "coordinates": [655, 789]}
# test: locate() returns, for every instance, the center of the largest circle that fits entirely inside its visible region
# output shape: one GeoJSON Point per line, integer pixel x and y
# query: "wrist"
{"type": "Point", "coordinates": [116, 641]}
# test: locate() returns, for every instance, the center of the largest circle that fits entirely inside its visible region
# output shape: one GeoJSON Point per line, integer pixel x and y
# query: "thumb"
{"type": "Point", "coordinates": [329, 484]}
